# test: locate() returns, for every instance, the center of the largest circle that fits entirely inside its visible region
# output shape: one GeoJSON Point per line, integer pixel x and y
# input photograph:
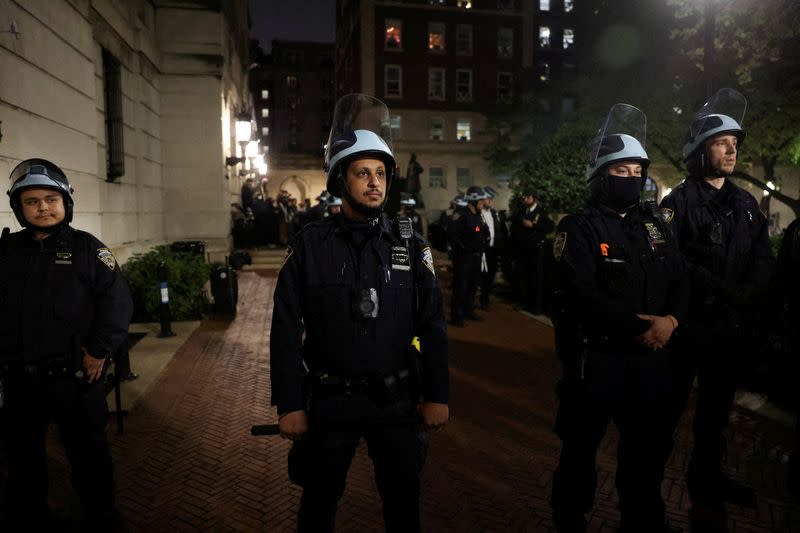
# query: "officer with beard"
{"type": "Point", "coordinates": [65, 311]}
{"type": "Point", "coordinates": [621, 296]}
{"type": "Point", "coordinates": [723, 235]}
{"type": "Point", "coordinates": [353, 292]}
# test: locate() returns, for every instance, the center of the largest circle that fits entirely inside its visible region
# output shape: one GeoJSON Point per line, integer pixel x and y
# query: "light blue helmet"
{"type": "Point", "coordinates": [333, 201]}
{"type": "Point", "coordinates": [620, 138]}
{"type": "Point", "coordinates": [360, 128]}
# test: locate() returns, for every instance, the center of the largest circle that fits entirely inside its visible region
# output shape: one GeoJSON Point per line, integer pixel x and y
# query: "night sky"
{"type": "Point", "coordinates": [295, 20]}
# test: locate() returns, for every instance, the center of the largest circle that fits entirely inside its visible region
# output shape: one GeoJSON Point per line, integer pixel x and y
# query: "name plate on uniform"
{"type": "Point", "coordinates": [400, 260]}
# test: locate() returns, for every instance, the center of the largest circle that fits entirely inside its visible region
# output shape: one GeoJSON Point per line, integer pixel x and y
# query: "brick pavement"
{"type": "Point", "coordinates": [187, 462]}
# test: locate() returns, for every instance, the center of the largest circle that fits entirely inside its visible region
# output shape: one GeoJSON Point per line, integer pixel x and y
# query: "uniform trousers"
{"type": "Point", "coordinates": [336, 425]}
{"type": "Point", "coordinates": [32, 401]}
{"type": "Point", "coordinates": [631, 391]}
{"type": "Point", "coordinates": [466, 277]}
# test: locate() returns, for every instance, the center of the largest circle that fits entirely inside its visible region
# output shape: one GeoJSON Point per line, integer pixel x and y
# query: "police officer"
{"type": "Point", "coordinates": [498, 237]}
{"type": "Point", "coordinates": [723, 235]}
{"type": "Point", "coordinates": [65, 311]}
{"type": "Point", "coordinates": [468, 237]}
{"type": "Point", "coordinates": [621, 296]}
{"type": "Point", "coordinates": [353, 292]}
{"type": "Point", "coordinates": [407, 209]}
{"type": "Point", "coordinates": [334, 206]}
{"type": "Point", "coordinates": [529, 229]}
{"type": "Point", "coordinates": [787, 300]}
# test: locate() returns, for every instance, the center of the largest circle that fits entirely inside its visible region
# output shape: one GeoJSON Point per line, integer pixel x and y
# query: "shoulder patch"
{"type": "Point", "coordinates": [289, 253]}
{"type": "Point", "coordinates": [107, 258]}
{"type": "Point", "coordinates": [427, 259]}
{"type": "Point", "coordinates": [559, 243]}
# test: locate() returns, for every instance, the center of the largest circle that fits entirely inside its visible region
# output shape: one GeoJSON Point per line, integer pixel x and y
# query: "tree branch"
{"type": "Point", "coordinates": [677, 163]}
{"type": "Point", "coordinates": [792, 203]}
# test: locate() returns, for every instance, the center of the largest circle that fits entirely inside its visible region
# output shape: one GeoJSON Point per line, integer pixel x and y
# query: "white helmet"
{"type": "Point", "coordinates": [621, 138]}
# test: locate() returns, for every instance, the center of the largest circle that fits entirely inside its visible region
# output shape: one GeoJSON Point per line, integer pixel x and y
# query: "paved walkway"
{"type": "Point", "coordinates": [187, 462]}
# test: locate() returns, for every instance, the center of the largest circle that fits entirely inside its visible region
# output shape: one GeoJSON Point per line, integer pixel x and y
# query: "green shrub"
{"type": "Point", "coordinates": [187, 273]}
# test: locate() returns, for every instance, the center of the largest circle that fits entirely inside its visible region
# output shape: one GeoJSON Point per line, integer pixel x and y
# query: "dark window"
{"type": "Point", "coordinates": [112, 89]}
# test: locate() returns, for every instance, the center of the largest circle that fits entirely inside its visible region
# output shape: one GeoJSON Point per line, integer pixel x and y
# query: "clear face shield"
{"type": "Point", "coordinates": [622, 136]}
{"type": "Point", "coordinates": [725, 102]}
{"type": "Point", "coordinates": [360, 124]}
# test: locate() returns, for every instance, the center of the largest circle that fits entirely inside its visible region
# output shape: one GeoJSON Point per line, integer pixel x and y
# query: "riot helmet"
{"type": "Point", "coordinates": [407, 200]}
{"type": "Point", "coordinates": [490, 193]}
{"type": "Point", "coordinates": [39, 174]}
{"type": "Point", "coordinates": [620, 139]}
{"type": "Point", "coordinates": [475, 194]}
{"type": "Point", "coordinates": [722, 114]}
{"type": "Point", "coordinates": [460, 201]}
{"type": "Point", "coordinates": [360, 128]}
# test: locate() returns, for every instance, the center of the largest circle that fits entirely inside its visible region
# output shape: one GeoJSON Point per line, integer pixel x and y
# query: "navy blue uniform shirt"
{"type": "Point", "coordinates": [313, 321]}
{"type": "Point", "coordinates": [59, 294]}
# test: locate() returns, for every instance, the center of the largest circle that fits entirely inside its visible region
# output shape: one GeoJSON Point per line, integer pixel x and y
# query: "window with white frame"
{"type": "Point", "coordinates": [544, 5]}
{"type": "Point", "coordinates": [464, 40]}
{"type": "Point", "coordinates": [544, 36]}
{"type": "Point", "coordinates": [436, 37]}
{"type": "Point", "coordinates": [464, 85]}
{"type": "Point", "coordinates": [569, 5]}
{"type": "Point", "coordinates": [568, 38]}
{"type": "Point", "coordinates": [436, 129]}
{"type": "Point", "coordinates": [393, 81]}
{"type": "Point", "coordinates": [265, 94]}
{"type": "Point", "coordinates": [264, 112]}
{"type": "Point", "coordinates": [505, 87]}
{"type": "Point", "coordinates": [505, 42]}
{"type": "Point", "coordinates": [395, 121]}
{"type": "Point", "coordinates": [464, 129]}
{"type": "Point", "coordinates": [393, 40]}
{"type": "Point", "coordinates": [436, 178]}
{"type": "Point", "coordinates": [265, 131]}
{"type": "Point", "coordinates": [463, 177]}
{"type": "Point", "coordinates": [503, 181]}
{"type": "Point", "coordinates": [435, 84]}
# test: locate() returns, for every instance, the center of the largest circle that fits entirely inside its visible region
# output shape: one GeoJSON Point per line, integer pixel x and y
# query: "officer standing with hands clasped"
{"type": "Point", "coordinates": [620, 298]}
{"type": "Point", "coordinates": [353, 292]}
{"type": "Point", "coordinates": [723, 235]}
{"type": "Point", "coordinates": [65, 310]}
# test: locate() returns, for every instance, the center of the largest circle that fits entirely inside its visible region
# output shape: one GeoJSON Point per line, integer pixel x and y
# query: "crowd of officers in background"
{"type": "Point", "coordinates": [479, 239]}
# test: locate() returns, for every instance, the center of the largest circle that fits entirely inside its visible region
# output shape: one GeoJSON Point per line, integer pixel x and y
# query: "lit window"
{"type": "Point", "coordinates": [569, 5]}
{"type": "Point", "coordinates": [291, 82]}
{"type": "Point", "coordinates": [464, 85]}
{"type": "Point", "coordinates": [544, 5]}
{"type": "Point", "coordinates": [393, 80]}
{"type": "Point", "coordinates": [544, 36]}
{"type": "Point", "coordinates": [264, 112]}
{"type": "Point", "coordinates": [505, 87]}
{"type": "Point", "coordinates": [436, 37]}
{"type": "Point", "coordinates": [265, 94]}
{"type": "Point", "coordinates": [650, 191]}
{"type": "Point", "coordinates": [436, 178]}
{"type": "Point", "coordinates": [394, 34]}
{"type": "Point", "coordinates": [503, 181]}
{"type": "Point", "coordinates": [463, 178]}
{"type": "Point", "coordinates": [394, 124]}
{"type": "Point", "coordinates": [436, 84]}
{"type": "Point", "coordinates": [437, 129]}
{"type": "Point", "coordinates": [265, 131]}
{"type": "Point", "coordinates": [464, 40]}
{"type": "Point", "coordinates": [463, 129]}
{"type": "Point", "coordinates": [466, 4]}
{"type": "Point", "coordinates": [569, 38]}
{"type": "Point", "coordinates": [505, 42]}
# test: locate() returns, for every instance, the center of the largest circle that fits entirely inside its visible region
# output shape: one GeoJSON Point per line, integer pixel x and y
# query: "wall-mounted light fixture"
{"type": "Point", "coordinates": [244, 130]}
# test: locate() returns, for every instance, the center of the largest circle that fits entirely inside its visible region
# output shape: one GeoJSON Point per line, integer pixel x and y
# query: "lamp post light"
{"type": "Point", "coordinates": [244, 131]}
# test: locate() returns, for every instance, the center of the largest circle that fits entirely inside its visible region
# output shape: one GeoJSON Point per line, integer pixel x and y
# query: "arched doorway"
{"type": "Point", "coordinates": [294, 186]}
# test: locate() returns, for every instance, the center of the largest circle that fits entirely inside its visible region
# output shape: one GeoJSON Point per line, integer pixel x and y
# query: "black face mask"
{"type": "Point", "coordinates": [622, 193]}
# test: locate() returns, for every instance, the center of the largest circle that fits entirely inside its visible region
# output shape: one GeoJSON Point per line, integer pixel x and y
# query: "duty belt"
{"type": "Point", "coordinates": [328, 384]}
